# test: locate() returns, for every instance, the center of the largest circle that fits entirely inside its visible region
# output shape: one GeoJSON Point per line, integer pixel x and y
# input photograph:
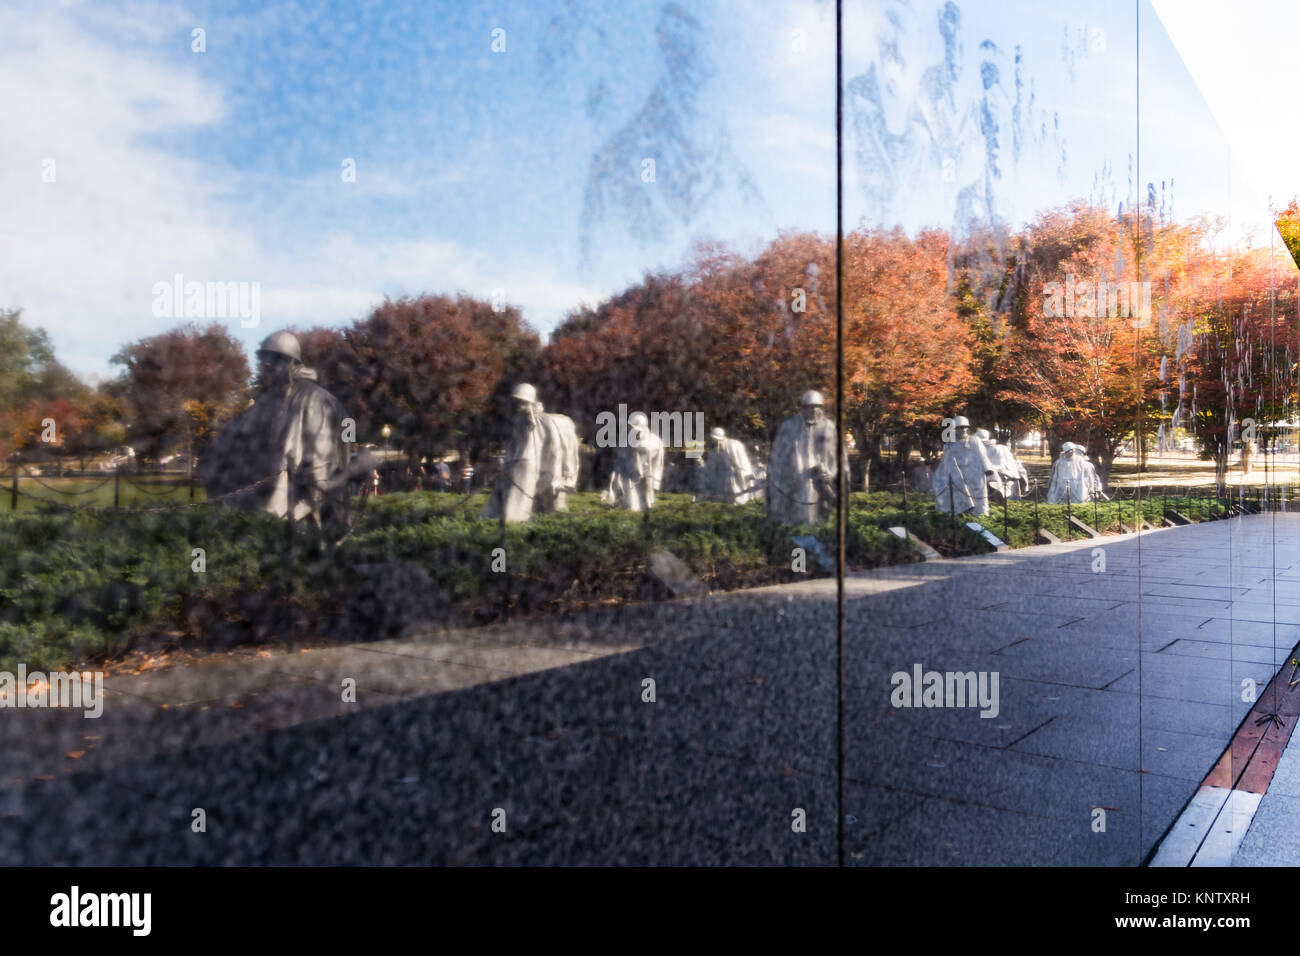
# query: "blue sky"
{"type": "Point", "coordinates": [519, 170]}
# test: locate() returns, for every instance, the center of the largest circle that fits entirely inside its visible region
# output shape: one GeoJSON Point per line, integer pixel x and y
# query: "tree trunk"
{"type": "Point", "coordinates": [903, 454]}
{"type": "Point", "coordinates": [874, 463]}
{"type": "Point", "coordinates": [1105, 461]}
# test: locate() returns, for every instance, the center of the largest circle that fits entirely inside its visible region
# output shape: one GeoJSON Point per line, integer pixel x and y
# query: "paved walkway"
{"type": "Point", "coordinates": [547, 721]}
{"type": "Point", "coordinates": [1272, 838]}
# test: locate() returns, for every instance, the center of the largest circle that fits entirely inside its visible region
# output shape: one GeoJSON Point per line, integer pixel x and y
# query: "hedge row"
{"type": "Point", "coordinates": [85, 586]}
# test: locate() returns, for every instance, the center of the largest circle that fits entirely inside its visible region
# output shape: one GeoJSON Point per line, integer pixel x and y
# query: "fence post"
{"type": "Point", "coordinates": [905, 499]}
{"type": "Point", "coordinates": [13, 486]}
{"type": "Point", "coordinates": [117, 485]}
{"type": "Point", "coordinates": [292, 500]}
{"type": "Point", "coordinates": [1069, 513]}
{"type": "Point", "coordinates": [505, 585]}
{"type": "Point", "coordinates": [1038, 528]}
{"type": "Point", "coordinates": [952, 510]}
{"type": "Point", "coordinates": [1006, 534]}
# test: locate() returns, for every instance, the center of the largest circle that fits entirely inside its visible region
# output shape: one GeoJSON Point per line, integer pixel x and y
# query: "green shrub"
{"type": "Point", "coordinates": [83, 585]}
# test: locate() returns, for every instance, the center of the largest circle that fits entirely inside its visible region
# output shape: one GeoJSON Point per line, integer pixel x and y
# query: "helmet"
{"type": "Point", "coordinates": [812, 398]}
{"type": "Point", "coordinates": [638, 418]}
{"type": "Point", "coordinates": [717, 433]}
{"type": "Point", "coordinates": [961, 421]}
{"type": "Point", "coordinates": [282, 343]}
{"type": "Point", "coordinates": [982, 434]}
{"type": "Point", "coordinates": [524, 392]}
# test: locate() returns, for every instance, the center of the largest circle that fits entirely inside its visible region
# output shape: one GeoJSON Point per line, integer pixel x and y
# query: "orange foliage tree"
{"type": "Point", "coordinates": [907, 350]}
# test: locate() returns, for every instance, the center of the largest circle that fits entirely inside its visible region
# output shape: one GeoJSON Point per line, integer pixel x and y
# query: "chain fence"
{"type": "Point", "coordinates": [16, 492]}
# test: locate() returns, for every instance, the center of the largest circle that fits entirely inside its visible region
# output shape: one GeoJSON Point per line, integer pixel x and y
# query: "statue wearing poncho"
{"type": "Point", "coordinates": [288, 444]}
{"type": "Point", "coordinates": [1010, 480]}
{"type": "Point", "coordinates": [638, 468]}
{"type": "Point", "coordinates": [961, 480]}
{"type": "Point", "coordinates": [541, 462]}
{"type": "Point", "coordinates": [801, 479]}
{"type": "Point", "coordinates": [727, 474]}
{"type": "Point", "coordinates": [1075, 471]}
{"type": "Point", "coordinates": [1015, 478]}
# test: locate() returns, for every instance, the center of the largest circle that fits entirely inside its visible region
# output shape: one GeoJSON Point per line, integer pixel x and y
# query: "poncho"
{"type": "Point", "coordinates": [962, 477]}
{"type": "Point", "coordinates": [290, 440]}
{"type": "Point", "coordinates": [801, 478]}
{"type": "Point", "coordinates": [727, 474]}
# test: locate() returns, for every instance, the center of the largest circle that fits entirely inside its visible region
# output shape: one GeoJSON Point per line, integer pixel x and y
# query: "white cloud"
{"type": "Point", "coordinates": [81, 255]}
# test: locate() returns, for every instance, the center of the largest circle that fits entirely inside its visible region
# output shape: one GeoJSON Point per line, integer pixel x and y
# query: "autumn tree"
{"type": "Point", "coordinates": [1239, 343]}
{"type": "Point", "coordinates": [1288, 226]}
{"type": "Point", "coordinates": [1080, 349]}
{"type": "Point", "coordinates": [907, 350]}
{"type": "Point", "coordinates": [737, 339]}
{"type": "Point", "coordinates": [182, 386]}
{"type": "Point", "coordinates": [34, 386]}
{"type": "Point", "coordinates": [436, 369]}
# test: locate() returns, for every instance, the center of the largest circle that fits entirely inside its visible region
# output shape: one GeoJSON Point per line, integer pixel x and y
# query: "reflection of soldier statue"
{"type": "Point", "coordinates": [961, 480]}
{"type": "Point", "coordinates": [1248, 452]}
{"type": "Point", "coordinates": [801, 477]}
{"type": "Point", "coordinates": [1074, 477]}
{"type": "Point", "coordinates": [541, 462]}
{"type": "Point", "coordinates": [727, 475]}
{"type": "Point", "coordinates": [288, 443]}
{"type": "Point", "coordinates": [638, 467]}
{"type": "Point", "coordinates": [1011, 480]}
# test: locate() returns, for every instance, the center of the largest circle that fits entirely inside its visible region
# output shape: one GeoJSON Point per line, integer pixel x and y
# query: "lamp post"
{"type": "Point", "coordinates": [385, 431]}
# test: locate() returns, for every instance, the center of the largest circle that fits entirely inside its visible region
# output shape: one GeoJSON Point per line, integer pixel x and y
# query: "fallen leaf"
{"type": "Point", "coordinates": [76, 754]}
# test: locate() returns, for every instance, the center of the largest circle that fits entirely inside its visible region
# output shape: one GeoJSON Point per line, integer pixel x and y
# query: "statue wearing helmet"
{"type": "Point", "coordinates": [1074, 478]}
{"type": "Point", "coordinates": [1011, 480]}
{"type": "Point", "coordinates": [801, 478]}
{"type": "Point", "coordinates": [727, 475]}
{"type": "Point", "coordinates": [961, 482]}
{"type": "Point", "coordinates": [638, 468]}
{"type": "Point", "coordinates": [287, 445]}
{"type": "Point", "coordinates": [541, 461]}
